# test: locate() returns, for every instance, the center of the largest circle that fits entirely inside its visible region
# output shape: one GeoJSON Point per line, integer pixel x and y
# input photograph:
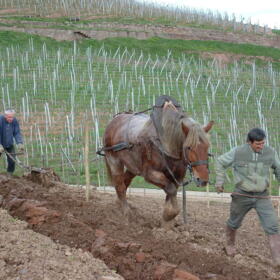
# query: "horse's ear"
{"type": "Point", "coordinates": [185, 129]}
{"type": "Point", "coordinates": [208, 126]}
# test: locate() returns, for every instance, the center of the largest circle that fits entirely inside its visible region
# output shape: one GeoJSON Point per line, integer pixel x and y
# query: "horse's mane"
{"type": "Point", "coordinates": [196, 134]}
{"type": "Point", "coordinates": [174, 138]}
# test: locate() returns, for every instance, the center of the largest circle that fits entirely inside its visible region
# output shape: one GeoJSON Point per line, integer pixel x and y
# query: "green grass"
{"type": "Point", "coordinates": [16, 39]}
{"type": "Point", "coordinates": [276, 31]}
{"type": "Point", "coordinates": [153, 46]}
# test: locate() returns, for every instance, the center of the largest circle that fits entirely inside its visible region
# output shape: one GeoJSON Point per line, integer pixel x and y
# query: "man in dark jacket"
{"type": "Point", "coordinates": [251, 163]}
{"type": "Point", "coordinates": [10, 131]}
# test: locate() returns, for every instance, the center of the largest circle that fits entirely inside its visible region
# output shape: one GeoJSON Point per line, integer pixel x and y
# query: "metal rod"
{"type": "Point", "coordinates": [184, 205]}
{"type": "Point", "coordinates": [70, 162]}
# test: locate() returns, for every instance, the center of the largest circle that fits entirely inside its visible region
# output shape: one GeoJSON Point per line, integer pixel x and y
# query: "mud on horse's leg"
{"type": "Point", "coordinates": [121, 192]}
{"type": "Point", "coordinates": [171, 209]}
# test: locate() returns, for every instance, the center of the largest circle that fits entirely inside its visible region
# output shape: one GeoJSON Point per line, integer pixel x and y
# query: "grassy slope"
{"type": "Point", "coordinates": [153, 46]}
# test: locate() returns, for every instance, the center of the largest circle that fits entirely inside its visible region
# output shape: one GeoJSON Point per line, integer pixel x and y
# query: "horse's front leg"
{"type": "Point", "coordinates": [171, 209]}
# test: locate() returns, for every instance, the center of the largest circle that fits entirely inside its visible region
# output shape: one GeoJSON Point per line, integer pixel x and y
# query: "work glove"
{"type": "Point", "coordinates": [1, 149]}
{"type": "Point", "coordinates": [20, 147]}
{"type": "Point", "coordinates": [219, 188]}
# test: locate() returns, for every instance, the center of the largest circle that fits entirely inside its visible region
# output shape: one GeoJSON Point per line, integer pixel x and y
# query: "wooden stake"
{"type": "Point", "coordinates": [278, 201]}
{"type": "Point", "coordinates": [86, 162]}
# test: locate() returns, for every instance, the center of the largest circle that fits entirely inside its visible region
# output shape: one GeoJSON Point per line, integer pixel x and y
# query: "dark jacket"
{"type": "Point", "coordinates": [8, 131]}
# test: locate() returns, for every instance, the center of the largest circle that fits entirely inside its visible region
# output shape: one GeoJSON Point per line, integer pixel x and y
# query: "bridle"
{"type": "Point", "coordinates": [191, 164]}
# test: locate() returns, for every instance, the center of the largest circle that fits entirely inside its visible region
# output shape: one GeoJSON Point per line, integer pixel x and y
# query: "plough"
{"type": "Point", "coordinates": [21, 165]}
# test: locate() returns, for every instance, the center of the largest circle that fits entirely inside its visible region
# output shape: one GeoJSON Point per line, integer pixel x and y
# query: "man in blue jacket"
{"type": "Point", "coordinates": [10, 131]}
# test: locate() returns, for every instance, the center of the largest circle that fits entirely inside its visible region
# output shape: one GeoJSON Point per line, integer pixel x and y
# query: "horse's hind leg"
{"type": "Point", "coordinates": [116, 172]}
{"type": "Point", "coordinates": [121, 192]}
{"type": "Point", "coordinates": [123, 181]}
{"type": "Point", "coordinates": [128, 176]}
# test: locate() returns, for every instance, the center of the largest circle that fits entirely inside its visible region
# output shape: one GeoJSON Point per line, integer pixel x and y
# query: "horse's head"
{"type": "Point", "coordinates": [195, 150]}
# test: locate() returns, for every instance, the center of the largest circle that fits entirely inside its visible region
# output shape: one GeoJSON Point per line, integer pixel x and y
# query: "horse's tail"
{"type": "Point", "coordinates": [109, 172]}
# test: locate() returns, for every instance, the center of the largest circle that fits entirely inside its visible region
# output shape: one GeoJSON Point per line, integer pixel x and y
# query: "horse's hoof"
{"type": "Point", "coordinates": [170, 214]}
{"type": "Point", "coordinates": [168, 225]}
{"type": "Point", "coordinates": [230, 250]}
{"type": "Point", "coordinates": [124, 207]}
{"type": "Point", "coordinates": [125, 211]}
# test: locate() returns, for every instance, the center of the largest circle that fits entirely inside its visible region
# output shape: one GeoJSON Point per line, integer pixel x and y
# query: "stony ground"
{"type": "Point", "coordinates": [73, 231]}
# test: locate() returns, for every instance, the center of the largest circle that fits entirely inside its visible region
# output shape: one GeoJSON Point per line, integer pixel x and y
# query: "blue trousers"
{"type": "Point", "coordinates": [11, 164]}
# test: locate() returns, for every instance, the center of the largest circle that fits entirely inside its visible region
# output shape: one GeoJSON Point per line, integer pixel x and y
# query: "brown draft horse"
{"type": "Point", "coordinates": [133, 147]}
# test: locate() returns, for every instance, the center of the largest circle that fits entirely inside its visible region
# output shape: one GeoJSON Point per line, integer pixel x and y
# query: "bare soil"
{"type": "Point", "coordinates": [101, 31]}
{"type": "Point", "coordinates": [27, 255]}
{"type": "Point", "coordinates": [136, 247]}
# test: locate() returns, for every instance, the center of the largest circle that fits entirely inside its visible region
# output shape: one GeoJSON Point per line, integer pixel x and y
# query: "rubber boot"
{"type": "Point", "coordinates": [230, 241]}
{"type": "Point", "coordinates": [9, 174]}
{"type": "Point", "coordinates": [274, 243]}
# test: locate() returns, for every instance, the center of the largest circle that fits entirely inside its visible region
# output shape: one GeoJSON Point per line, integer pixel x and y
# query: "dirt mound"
{"type": "Point", "coordinates": [137, 247]}
{"type": "Point", "coordinates": [26, 254]}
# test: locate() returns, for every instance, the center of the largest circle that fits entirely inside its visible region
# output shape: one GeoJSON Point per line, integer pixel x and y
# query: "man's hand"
{"type": "Point", "coordinates": [219, 188]}
{"type": "Point", "coordinates": [20, 147]}
{"type": "Point", "coordinates": [1, 149]}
